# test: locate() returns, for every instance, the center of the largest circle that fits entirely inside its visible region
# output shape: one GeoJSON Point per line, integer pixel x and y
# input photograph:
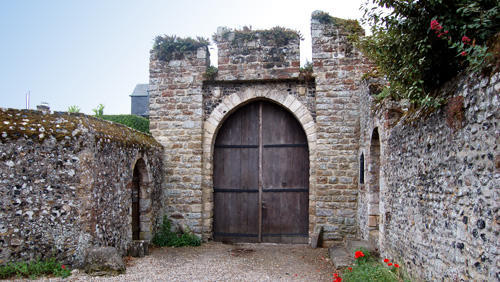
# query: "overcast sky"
{"type": "Point", "coordinates": [87, 52]}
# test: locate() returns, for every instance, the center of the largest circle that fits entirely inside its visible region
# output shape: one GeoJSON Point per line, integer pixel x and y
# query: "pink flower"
{"type": "Point", "coordinates": [63, 266]}
{"type": "Point", "coordinates": [463, 53]}
{"type": "Point", "coordinates": [435, 25]}
{"type": "Point", "coordinates": [465, 39]}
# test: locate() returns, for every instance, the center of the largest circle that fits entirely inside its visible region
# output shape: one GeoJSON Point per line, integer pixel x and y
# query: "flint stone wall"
{"type": "Point", "coordinates": [66, 185]}
{"type": "Point", "coordinates": [439, 186]}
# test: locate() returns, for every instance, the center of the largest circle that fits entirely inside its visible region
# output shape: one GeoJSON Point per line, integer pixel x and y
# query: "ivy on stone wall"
{"type": "Point", "coordinates": [172, 47]}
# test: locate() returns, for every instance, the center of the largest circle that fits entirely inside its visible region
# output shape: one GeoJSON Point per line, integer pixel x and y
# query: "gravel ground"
{"type": "Point", "coordinates": [221, 262]}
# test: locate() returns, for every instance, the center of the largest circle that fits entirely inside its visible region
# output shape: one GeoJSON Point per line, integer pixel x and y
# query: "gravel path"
{"type": "Point", "coordinates": [221, 262]}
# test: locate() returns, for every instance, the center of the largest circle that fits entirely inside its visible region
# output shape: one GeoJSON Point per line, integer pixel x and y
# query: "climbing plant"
{"type": "Point", "coordinates": [419, 45]}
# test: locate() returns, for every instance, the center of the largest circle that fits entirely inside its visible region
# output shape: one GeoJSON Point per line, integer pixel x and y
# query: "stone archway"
{"type": "Point", "coordinates": [140, 209]}
{"type": "Point", "coordinates": [374, 188]}
{"type": "Point", "coordinates": [213, 124]}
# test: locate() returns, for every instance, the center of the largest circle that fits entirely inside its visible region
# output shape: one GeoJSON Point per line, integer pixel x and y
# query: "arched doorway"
{"type": "Point", "coordinates": [138, 181]}
{"type": "Point", "coordinates": [374, 188]}
{"type": "Point", "coordinates": [261, 177]}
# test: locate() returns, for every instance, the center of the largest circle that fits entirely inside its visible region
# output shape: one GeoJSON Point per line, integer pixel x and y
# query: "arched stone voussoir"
{"type": "Point", "coordinates": [232, 102]}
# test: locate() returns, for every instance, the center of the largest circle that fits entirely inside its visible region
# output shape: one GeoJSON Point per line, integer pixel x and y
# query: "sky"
{"type": "Point", "coordinates": [85, 53]}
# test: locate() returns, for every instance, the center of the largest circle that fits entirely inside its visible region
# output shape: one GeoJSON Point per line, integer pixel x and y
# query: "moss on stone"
{"type": "Point", "coordinates": [351, 26]}
{"type": "Point", "coordinates": [38, 126]}
{"type": "Point", "coordinates": [173, 48]}
{"type": "Point", "coordinates": [278, 36]}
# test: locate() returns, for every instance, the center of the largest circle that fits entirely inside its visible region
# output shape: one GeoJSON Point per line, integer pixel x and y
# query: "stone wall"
{"type": "Point", "coordinates": [261, 54]}
{"type": "Point", "coordinates": [176, 117]}
{"type": "Point", "coordinates": [66, 185]}
{"type": "Point", "coordinates": [338, 68]}
{"type": "Point", "coordinates": [439, 179]}
{"type": "Point", "coordinates": [215, 91]}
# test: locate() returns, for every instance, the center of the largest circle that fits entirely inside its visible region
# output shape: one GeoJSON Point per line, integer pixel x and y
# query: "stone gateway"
{"type": "Point", "coordinates": [263, 152]}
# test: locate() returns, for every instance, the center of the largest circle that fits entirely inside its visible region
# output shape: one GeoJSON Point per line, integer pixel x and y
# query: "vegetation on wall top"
{"type": "Point", "coordinates": [172, 47]}
{"type": "Point", "coordinates": [278, 36]}
{"type": "Point", "coordinates": [419, 45]}
{"type": "Point", "coordinates": [352, 26]}
{"type": "Point", "coordinates": [133, 121]}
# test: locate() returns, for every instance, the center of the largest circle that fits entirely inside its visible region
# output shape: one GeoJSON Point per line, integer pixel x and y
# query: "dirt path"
{"type": "Point", "coordinates": [221, 262]}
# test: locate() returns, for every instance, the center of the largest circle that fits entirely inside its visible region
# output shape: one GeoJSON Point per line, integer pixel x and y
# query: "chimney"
{"type": "Point", "coordinates": [43, 107]}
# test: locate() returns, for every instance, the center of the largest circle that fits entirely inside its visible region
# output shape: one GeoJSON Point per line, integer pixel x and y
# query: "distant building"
{"type": "Point", "coordinates": [140, 100]}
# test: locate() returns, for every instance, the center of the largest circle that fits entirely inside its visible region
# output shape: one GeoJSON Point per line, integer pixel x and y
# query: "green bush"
{"type": "Point", "coordinates": [417, 58]}
{"type": "Point", "coordinates": [133, 121]}
{"type": "Point", "coordinates": [165, 237]}
{"type": "Point", "coordinates": [278, 36]}
{"type": "Point", "coordinates": [34, 269]}
{"type": "Point", "coordinates": [211, 73]}
{"type": "Point", "coordinates": [171, 47]}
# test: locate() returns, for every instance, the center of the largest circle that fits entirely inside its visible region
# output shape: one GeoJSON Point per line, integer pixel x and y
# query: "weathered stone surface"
{"type": "Point", "coordinates": [339, 256]}
{"type": "Point", "coordinates": [104, 261]}
{"type": "Point", "coordinates": [438, 188]}
{"type": "Point", "coordinates": [338, 68]}
{"type": "Point", "coordinates": [65, 184]}
{"type": "Point", "coordinates": [138, 248]}
{"type": "Point", "coordinates": [256, 57]}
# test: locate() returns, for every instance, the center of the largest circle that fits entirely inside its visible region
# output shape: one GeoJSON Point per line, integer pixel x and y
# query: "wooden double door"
{"type": "Point", "coordinates": [261, 177]}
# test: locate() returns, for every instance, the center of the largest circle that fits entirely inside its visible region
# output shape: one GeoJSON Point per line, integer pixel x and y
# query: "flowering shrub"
{"type": "Point", "coordinates": [419, 45]}
{"type": "Point", "coordinates": [367, 267]}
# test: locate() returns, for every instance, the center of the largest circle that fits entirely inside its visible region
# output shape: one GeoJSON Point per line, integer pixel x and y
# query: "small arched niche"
{"type": "Point", "coordinates": [374, 187]}
{"type": "Point", "coordinates": [139, 201]}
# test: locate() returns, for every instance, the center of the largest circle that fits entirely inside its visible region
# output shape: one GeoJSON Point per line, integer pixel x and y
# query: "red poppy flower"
{"type": "Point", "coordinates": [335, 275]}
{"type": "Point", "coordinates": [358, 254]}
{"type": "Point", "coordinates": [396, 265]}
{"type": "Point", "coordinates": [63, 266]}
{"type": "Point", "coordinates": [350, 268]}
{"type": "Point", "coordinates": [386, 260]}
{"type": "Point", "coordinates": [389, 264]}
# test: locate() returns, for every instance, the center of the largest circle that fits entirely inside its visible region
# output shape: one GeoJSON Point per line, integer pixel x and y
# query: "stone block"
{"type": "Point", "coordinates": [103, 261]}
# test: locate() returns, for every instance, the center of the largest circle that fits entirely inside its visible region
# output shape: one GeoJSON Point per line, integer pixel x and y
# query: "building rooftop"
{"type": "Point", "coordinates": [140, 90]}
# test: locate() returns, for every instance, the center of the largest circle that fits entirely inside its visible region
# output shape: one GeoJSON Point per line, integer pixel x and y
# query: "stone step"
{"type": "Point", "coordinates": [353, 245]}
{"type": "Point", "coordinates": [339, 256]}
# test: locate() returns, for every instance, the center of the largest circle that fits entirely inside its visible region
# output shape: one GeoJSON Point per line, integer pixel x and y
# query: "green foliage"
{"type": "Point", "coordinates": [352, 26]}
{"type": "Point", "coordinates": [34, 269]}
{"type": "Point", "coordinates": [73, 109]}
{"type": "Point", "coordinates": [370, 268]}
{"type": "Point", "coordinates": [369, 272]}
{"type": "Point", "coordinates": [416, 58]}
{"type": "Point", "coordinates": [211, 73]}
{"type": "Point", "coordinates": [278, 36]}
{"type": "Point", "coordinates": [307, 68]}
{"type": "Point", "coordinates": [172, 47]}
{"type": "Point", "coordinates": [99, 110]}
{"type": "Point", "coordinates": [133, 121]}
{"type": "Point", "coordinates": [165, 237]}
